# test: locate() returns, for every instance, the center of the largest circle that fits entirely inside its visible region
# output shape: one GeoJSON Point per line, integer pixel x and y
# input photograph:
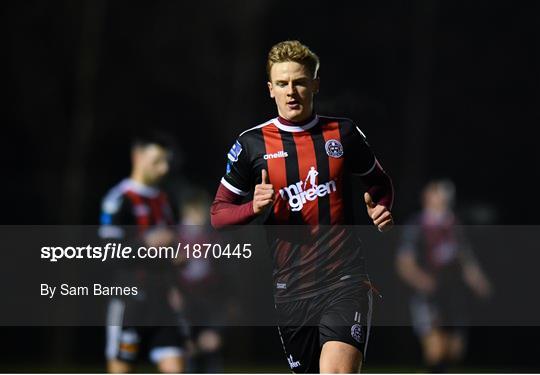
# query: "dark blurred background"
{"type": "Point", "coordinates": [441, 89]}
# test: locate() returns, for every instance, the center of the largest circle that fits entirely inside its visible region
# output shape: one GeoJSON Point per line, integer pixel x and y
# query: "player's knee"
{"type": "Point", "coordinates": [115, 366]}
{"type": "Point", "coordinates": [434, 347]}
{"type": "Point", "coordinates": [171, 365]}
{"type": "Point", "coordinates": [456, 348]}
{"type": "Point", "coordinates": [209, 341]}
{"type": "Point", "coordinates": [347, 367]}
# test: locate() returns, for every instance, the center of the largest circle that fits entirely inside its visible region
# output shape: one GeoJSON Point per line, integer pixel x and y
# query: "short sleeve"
{"type": "Point", "coordinates": [116, 212]}
{"type": "Point", "coordinates": [362, 158]}
{"type": "Point", "coordinates": [238, 173]}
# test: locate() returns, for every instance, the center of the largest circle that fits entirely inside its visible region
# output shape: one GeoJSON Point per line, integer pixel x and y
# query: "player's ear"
{"type": "Point", "coordinates": [270, 89]}
{"type": "Point", "coordinates": [316, 85]}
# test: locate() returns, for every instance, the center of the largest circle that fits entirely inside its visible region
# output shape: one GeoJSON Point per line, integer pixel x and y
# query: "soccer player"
{"type": "Point", "coordinates": [137, 204]}
{"type": "Point", "coordinates": [299, 167]}
{"type": "Point", "coordinates": [200, 280]}
{"type": "Point", "coordinates": [434, 259]}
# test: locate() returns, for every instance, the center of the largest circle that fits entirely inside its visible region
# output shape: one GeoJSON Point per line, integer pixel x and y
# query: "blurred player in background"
{"type": "Point", "coordinates": [299, 168]}
{"type": "Point", "coordinates": [200, 280]}
{"type": "Point", "coordinates": [435, 260]}
{"type": "Point", "coordinates": [136, 212]}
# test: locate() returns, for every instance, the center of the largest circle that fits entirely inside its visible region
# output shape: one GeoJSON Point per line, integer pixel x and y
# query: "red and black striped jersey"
{"type": "Point", "coordinates": [310, 167]}
{"type": "Point", "coordinates": [129, 204]}
{"type": "Point", "coordinates": [436, 240]}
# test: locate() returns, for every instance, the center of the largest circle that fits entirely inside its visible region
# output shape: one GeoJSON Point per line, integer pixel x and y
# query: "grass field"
{"type": "Point", "coordinates": [244, 369]}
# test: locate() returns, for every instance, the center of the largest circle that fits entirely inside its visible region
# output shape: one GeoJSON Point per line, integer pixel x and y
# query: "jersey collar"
{"type": "Point", "coordinates": [290, 127]}
{"type": "Point", "coordinates": [137, 187]}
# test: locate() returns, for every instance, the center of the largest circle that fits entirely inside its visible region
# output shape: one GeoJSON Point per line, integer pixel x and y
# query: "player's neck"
{"type": "Point", "coordinates": [284, 121]}
{"type": "Point", "coordinates": [139, 179]}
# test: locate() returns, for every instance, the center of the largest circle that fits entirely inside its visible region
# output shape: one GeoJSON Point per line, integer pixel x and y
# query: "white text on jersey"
{"type": "Point", "coordinates": [279, 154]}
{"type": "Point", "coordinates": [298, 195]}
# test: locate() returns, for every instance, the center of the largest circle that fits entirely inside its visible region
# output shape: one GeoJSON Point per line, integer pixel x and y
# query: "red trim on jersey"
{"type": "Point", "coordinates": [335, 166]}
{"type": "Point", "coordinates": [156, 210]}
{"type": "Point", "coordinates": [143, 221]}
{"type": "Point", "coordinates": [305, 149]}
{"type": "Point", "coordinates": [277, 171]}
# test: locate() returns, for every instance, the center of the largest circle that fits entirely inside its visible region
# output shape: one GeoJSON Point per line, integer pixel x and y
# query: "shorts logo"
{"type": "Point", "coordinates": [281, 286]}
{"type": "Point", "coordinates": [356, 332]}
{"type": "Point", "coordinates": [299, 194]}
{"type": "Point", "coordinates": [279, 154]}
{"type": "Point", "coordinates": [292, 363]}
{"type": "Point", "coordinates": [334, 148]}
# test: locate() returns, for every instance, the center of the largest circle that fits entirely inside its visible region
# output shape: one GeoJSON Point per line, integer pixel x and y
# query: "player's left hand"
{"type": "Point", "coordinates": [381, 216]}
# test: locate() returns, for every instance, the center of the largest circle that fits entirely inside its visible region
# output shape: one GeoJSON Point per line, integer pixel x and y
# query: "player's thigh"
{"type": "Point", "coordinates": [340, 358]}
{"type": "Point", "coordinates": [347, 317]}
{"type": "Point", "coordinates": [301, 346]}
{"type": "Point", "coordinates": [424, 313]}
{"type": "Point", "coordinates": [299, 333]}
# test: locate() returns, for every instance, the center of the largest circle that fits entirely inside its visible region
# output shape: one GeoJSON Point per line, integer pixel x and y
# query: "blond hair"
{"type": "Point", "coordinates": [293, 50]}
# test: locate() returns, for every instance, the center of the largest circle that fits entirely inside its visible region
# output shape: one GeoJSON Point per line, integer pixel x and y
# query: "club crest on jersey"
{"type": "Point", "coordinates": [299, 194]}
{"type": "Point", "coordinates": [356, 332]}
{"type": "Point", "coordinates": [334, 148]}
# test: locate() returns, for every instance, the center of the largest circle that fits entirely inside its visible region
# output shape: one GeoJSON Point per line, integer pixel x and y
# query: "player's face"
{"type": "Point", "coordinates": [293, 87]}
{"type": "Point", "coordinates": [436, 199]}
{"type": "Point", "coordinates": [153, 163]}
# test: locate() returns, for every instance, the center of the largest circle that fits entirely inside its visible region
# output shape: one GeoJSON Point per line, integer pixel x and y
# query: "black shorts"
{"type": "Point", "coordinates": [448, 313]}
{"type": "Point", "coordinates": [342, 314]}
{"type": "Point", "coordinates": [126, 337]}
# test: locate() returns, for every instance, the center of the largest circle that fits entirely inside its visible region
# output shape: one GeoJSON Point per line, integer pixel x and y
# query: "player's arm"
{"type": "Point", "coordinates": [473, 275]}
{"type": "Point", "coordinates": [227, 208]}
{"type": "Point", "coordinates": [407, 265]}
{"type": "Point", "coordinates": [379, 195]}
{"type": "Point", "coordinates": [413, 275]}
{"type": "Point", "coordinates": [116, 217]}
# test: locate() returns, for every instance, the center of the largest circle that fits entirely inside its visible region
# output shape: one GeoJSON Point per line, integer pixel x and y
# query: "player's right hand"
{"type": "Point", "coordinates": [263, 195]}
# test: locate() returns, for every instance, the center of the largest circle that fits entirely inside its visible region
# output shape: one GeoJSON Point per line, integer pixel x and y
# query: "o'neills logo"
{"type": "Point", "coordinates": [297, 195]}
{"type": "Point", "coordinates": [279, 154]}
